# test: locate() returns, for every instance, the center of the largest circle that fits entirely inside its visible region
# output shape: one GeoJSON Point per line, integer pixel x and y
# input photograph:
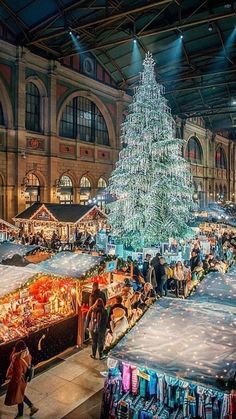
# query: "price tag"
{"type": "Point", "coordinates": [143, 375]}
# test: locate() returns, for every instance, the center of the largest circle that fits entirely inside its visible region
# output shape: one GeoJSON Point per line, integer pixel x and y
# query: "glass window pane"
{"type": "Point", "coordinates": [32, 117]}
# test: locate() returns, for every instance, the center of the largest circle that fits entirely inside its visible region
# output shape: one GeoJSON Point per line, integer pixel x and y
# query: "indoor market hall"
{"type": "Point", "coordinates": [117, 209]}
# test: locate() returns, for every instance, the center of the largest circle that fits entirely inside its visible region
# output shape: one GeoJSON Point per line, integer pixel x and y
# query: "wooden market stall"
{"type": "Point", "coordinates": [67, 221]}
{"type": "Point", "coordinates": [7, 230]}
{"type": "Point", "coordinates": [46, 305]}
{"type": "Point", "coordinates": [40, 309]}
{"type": "Point", "coordinates": [16, 254]}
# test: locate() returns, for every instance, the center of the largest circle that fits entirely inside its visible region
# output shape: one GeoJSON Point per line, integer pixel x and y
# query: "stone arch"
{"type": "Point", "coordinates": [221, 155]}
{"type": "Point", "coordinates": [102, 178]}
{"type": "Point", "coordinates": [89, 177]}
{"type": "Point", "coordinates": [6, 105]}
{"type": "Point", "coordinates": [44, 118]}
{"type": "Point", "coordinates": [102, 108]}
{"type": "Point", "coordinates": [71, 175]}
{"type": "Point", "coordinates": [39, 175]}
{"type": "Point", "coordinates": [195, 138]}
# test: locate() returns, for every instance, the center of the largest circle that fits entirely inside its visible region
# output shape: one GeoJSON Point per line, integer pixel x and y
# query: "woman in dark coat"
{"type": "Point", "coordinates": [97, 323]}
{"type": "Point", "coordinates": [19, 361]}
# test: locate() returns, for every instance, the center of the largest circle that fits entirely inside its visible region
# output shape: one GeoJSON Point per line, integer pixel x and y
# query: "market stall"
{"type": "Point", "coordinates": [41, 309]}
{"type": "Point", "coordinates": [7, 230]}
{"type": "Point", "coordinates": [8, 250]}
{"type": "Point", "coordinates": [178, 361]}
{"type": "Point", "coordinates": [217, 288]}
{"type": "Point", "coordinates": [67, 221]}
{"type": "Point", "coordinates": [85, 267]}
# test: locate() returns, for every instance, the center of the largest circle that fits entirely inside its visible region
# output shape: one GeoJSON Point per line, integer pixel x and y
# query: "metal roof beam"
{"type": "Point", "coordinates": [206, 86]}
{"type": "Point", "coordinates": [108, 19]}
{"type": "Point", "coordinates": [206, 113]}
{"type": "Point", "coordinates": [154, 18]}
{"type": "Point", "coordinates": [22, 26]}
{"type": "Point", "coordinates": [51, 19]}
{"type": "Point", "coordinates": [159, 31]}
{"type": "Point", "coordinates": [223, 45]}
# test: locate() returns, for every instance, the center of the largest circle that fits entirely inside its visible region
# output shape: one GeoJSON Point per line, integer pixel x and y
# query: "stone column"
{"type": "Point", "coordinates": [53, 145]}
{"type": "Point", "coordinates": [230, 172]}
{"type": "Point", "coordinates": [20, 102]}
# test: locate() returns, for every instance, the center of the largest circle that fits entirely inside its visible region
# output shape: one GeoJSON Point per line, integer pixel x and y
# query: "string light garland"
{"type": "Point", "coordinates": [151, 183]}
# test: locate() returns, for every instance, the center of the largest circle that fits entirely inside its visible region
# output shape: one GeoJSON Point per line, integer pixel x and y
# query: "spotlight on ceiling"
{"type": "Point", "coordinates": [181, 36]}
{"type": "Point", "coordinates": [234, 102]}
{"type": "Point", "coordinates": [210, 27]}
{"type": "Point", "coordinates": [134, 40]}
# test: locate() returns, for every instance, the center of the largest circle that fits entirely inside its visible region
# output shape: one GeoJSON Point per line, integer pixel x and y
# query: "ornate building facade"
{"type": "Point", "coordinates": [60, 135]}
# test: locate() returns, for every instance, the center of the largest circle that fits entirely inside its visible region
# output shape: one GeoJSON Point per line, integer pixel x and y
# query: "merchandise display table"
{"type": "Point", "coordinates": [178, 360]}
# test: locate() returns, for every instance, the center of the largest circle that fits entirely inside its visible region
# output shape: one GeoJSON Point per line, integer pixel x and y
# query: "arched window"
{"type": "Point", "coordinates": [65, 190]}
{"type": "Point", "coordinates": [32, 189]}
{"type": "Point", "coordinates": [193, 152]}
{"type": "Point", "coordinates": [82, 119]}
{"type": "Point", "coordinates": [32, 114]}
{"type": "Point", "coordinates": [101, 193]}
{"type": "Point", "coordinates": [2, 122]}
{"type": "Point", "coordinates": [221, 162]}
{"type": "Point", "coordinates": [85, 190]}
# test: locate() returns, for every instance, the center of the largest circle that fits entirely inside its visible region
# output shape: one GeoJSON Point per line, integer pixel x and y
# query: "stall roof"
{"type": "Point", "coordinates": [184, 339]}
{"type": "Point", "coordinates": [71, 213]}
{"type": "Point", "coordinates": [74, 265]}
{"type": "Point", "coordinates": [13, 278]}
{"type": "Point", "coordinates": [4, 225]}
{"type": "Point", "coordinates": [8, 250]}
{"type": "Point", "coordinates": [217, 288]}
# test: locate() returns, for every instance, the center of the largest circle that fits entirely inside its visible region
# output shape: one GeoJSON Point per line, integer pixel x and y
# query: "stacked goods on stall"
{"type": "Point", "coordinates": [177, 362]}
{"type": "Point", "coordinates": [36, 301]}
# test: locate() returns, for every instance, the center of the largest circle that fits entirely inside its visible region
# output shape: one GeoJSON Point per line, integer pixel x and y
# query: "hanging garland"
{"type": "Point", "coordinates": [95, 274]}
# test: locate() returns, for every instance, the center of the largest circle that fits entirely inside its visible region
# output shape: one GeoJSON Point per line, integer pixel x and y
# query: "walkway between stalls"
{"type": "Point", "coordinates": [67, 390]}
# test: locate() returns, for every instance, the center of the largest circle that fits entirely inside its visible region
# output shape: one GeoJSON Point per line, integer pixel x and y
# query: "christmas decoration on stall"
{"type": "Point", "coordinates": [151, 183]}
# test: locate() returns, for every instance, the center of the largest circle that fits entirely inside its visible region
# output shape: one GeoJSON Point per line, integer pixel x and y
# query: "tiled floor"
{"type": "Point", "coordinates": [90, 409]}
{"type": "Point", "coordinates": [60, 390]}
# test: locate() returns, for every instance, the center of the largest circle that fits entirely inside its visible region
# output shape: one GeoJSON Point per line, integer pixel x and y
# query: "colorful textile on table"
{"type": "Point", "coordinates": [126, 377]}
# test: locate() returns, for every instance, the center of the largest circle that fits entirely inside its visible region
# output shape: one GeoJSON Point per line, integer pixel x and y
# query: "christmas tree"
{"type": "Point", "coordinates": [151, 183]}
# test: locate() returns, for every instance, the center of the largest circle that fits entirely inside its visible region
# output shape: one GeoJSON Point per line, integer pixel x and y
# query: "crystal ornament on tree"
{"type": "Point", "coordinates": [151, 183]}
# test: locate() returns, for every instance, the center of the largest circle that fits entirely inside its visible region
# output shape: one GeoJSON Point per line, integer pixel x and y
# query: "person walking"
{"type": "Point", "coordinates": [194, 260]}
{"type": "Point", "coordinates": [97, 323]}
{"type": "Point", "coordinates": [20, 361]}
{"type": "Point", "coordinates": [179, 278]}
{"type": "Point", "coordinates": [146, 266]}
{"type": "Point", "coordinates": [96, 293]}
{"type": "Point", "coordinates": [163, 277]}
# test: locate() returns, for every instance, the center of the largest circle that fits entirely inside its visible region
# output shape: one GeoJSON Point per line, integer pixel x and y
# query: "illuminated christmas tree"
{"type": "Point", "coordinates": [151, 183]}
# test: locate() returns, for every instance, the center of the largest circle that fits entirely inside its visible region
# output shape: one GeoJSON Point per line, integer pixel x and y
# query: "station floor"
{"type": "Point", "coordinates": [72, 389]}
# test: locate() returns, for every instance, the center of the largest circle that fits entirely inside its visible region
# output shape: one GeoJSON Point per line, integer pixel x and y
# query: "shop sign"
{"type": "Point", "coordinates": [111, 266]}
{"type": "Point", "coordinates": [42, 215]}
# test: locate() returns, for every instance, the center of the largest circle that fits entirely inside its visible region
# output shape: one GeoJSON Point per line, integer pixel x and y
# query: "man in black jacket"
{"type": "Point", "coordinates": [96, 293]}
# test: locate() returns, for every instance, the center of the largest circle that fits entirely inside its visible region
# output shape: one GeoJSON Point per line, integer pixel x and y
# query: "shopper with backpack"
{"type": "Point", "coordinates": [19, 373]}
{"type": "Point", "coordinates": [97, 323]}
